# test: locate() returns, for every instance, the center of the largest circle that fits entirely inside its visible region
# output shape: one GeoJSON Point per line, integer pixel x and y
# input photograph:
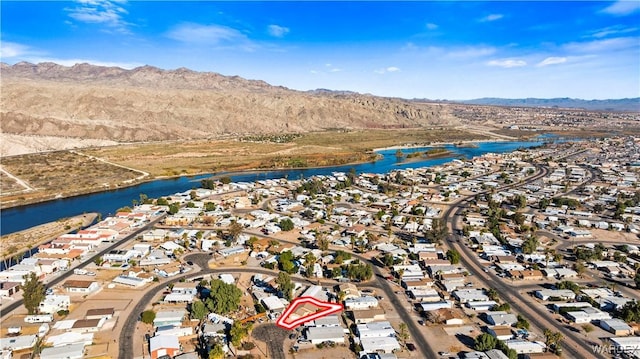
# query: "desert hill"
{"type": "Point", "coordinates": [147, 103]}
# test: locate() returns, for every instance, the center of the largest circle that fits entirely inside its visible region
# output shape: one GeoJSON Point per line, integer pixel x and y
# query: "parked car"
{"type": "Point", "coordinates": [411, 346]}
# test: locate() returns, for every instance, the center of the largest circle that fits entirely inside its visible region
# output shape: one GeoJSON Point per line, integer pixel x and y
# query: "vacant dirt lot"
{"type": "Point", "coordinates": [62, 174]}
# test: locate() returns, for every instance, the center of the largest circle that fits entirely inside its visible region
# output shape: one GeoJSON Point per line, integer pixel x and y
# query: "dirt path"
{"type": "Point", "coordinates": [18, 180]}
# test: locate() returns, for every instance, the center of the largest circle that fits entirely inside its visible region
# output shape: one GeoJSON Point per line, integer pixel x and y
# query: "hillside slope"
{"type": "Point", "coordinates": [147, 103]}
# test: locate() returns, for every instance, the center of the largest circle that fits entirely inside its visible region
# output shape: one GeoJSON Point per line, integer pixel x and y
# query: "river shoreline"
{"type": "Point", "coordinates": [440, 144]}
{"type": "Point", "coordinates": [215, 175]}
{"type": "Point", "coordinates": [106, 201]}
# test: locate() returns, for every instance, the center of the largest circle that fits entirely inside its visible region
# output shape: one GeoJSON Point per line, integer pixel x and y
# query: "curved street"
{"type": "Point", "coordinates": [574, 345]}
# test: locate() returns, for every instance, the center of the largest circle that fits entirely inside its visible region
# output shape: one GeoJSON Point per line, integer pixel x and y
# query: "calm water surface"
{"type": "Point", "coordinates": [19, 218]}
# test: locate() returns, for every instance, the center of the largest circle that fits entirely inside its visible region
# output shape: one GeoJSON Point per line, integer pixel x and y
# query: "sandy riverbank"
{"type": "Point", "coordinates": [19, 242]}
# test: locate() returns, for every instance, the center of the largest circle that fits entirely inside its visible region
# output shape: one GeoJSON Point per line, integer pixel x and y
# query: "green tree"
{"type": "Point", "coordinates": [216, 352]}
{"type": "Point", "coordinates": [198, 310]}
{"type": "Point", "coordinates": [322, 241]}
{"type": "Point", "coordinates": [148, 316]}
{"type": "Point", "coordinates": [33, 293]}
{"type": "Point", "coordinates": [238, 332]}
{"type": "Point", "coordinates": [162, 201]}
{"type": "Point", "coordinates": [522, 322]}
{"type": "Point", "coordinates": [530, 245]}
{"type": "Point", "coordinates": [518, 218]}
{"type": "Point", "coordinates": [453, 256]}
{"type": "Point", "coordinates": [403, 333]}
{"type": "Point", "coordinates": [552, 340]}
{"type": "Point", "coordinates": [438, 231]}
{"type": "Point", "coordinates": [208, 183]}
{"type": "Point", "coordinates": [286, 224]}
{"type": "Point", "coordinates": [225, 179]}
{"type": "Point", "coordinates": [223, 298]}
{"type": "Point", "coordinates": [174, 208]}
{"type": "Point", "coordinates": [636, 279]}
{"type": "Point", "coordinates": [124, 209]}
{"type": "Point", "coordinates": [285, 285]}
{"type": "Point", "coordinates": [579, 267]}
{"type": "Point", "coordinates": [630, 312]}
{"type": "Point", "coordinates": [235, 229]}
{"type": "Point", "coordinates": [492, 294]}
{"type": "Point", "coordinates": [252, 241]}
{"type": "Point", "coordinates": [484, 342]}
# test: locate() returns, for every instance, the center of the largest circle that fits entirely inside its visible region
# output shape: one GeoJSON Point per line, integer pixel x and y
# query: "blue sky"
{"type": "Point", "coordinates": [436, 50]}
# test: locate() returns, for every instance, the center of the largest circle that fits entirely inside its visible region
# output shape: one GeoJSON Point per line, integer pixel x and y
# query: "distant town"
{"type": "Point", "coordinates": [532, 254]}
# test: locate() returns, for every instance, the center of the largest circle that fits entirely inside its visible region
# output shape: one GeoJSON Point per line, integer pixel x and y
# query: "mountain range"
{"type": "Point", "coordinates": [147, 103]}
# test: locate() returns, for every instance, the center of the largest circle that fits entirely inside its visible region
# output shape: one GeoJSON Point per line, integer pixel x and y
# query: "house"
{"type": "Point", "coordinates": [450, 317]}
{"type": "Point", "coordinates": [360, 303]}
{"type": "Point", "coordinates": [231, 251]}
{"type": "Point", "coordinates": [427, 307]}
{"type": "Point", "coordinates": [129, 281]}
{"type": "Point", "coordinates": [470, 295]}
{"type": "Point", "coordinates": [8, 289]}
{"type": "Point", "coordinates": [185, 288]}
{"type": "Point", "coordinates": [163, 346]}
{"type": "Point", "coordinates": [616, 326]}
{"type": "Point", "coordinates": [379, 344]}
{"type": "Point", "coordinates": [100, 313]}
{"type": "Point", "coordinates": [70, 351]}
{"type": "Point", "coordinates": [317, 335]}
{"type": "Point", "coordinates": [375, 330]}
{"type": "Point", "coordinates": [54, 303]}
{"type": "Point", "coordinates": [501, 318]}
{"type": "Point", "coordinates": [169, 317]}
{"type": "Point", "coordinates": [87, 325]}
{"type": "Point", "coordinates": [481, 306]}
{"type": "Point", "coordinates": [555, 294]}
{"type": "Point", "coordinates": [587, 315]}
{"type": "Point", "coordinates": [349, 290]}
{"type": "Point", "coordinates": [501, 332]}
{"type": "Point", "coordinates": [81, 286]}
{"type": "Point", "coordinates": [367, 315]}
{"type": "Point", "coordinates": [18, 343]}
{"type": "Point", "coordinates": [529, 274]}
{"type": "Point", "coordinates": [525, 347]}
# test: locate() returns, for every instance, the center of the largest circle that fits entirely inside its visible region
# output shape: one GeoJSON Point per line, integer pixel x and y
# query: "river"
{"type": "Point", "coordinates": [19, 218]}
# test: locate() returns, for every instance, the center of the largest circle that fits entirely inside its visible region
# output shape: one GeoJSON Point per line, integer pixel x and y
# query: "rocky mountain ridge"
{"type": "Point", "coordinates": [147, 103]}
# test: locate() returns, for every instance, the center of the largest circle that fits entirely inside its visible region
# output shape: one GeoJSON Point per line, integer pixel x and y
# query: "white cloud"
{"type": "Point", "coordinates": [612, 30]}
{"type": "Point", "coordinates": [605, 45]}
{"type": "Point", "coordinates": [622, 7]}
{"type": "Point", "coordinates": [387, 70]}
{"type": "Point", "coordinates": [507, 63]}
{"type": "Point", "coordinates": [471, 52]}
{"type": "Point", "coordinates": [335, 70]}
{"type": "Point", "coordinates": [12, 49]}
{"type": "Point", "coordinates": [277, 31]}
{"type": "Point", "coordinates": [211, 35]}
{"type": "Point", "coordinates": [431, 26]}
{"type": "Point", "coordinates": [551, 61]}
{"type": "Point", "coordinates": [105, 12]}
{"type": "Point", "coordinates": [491, 17]}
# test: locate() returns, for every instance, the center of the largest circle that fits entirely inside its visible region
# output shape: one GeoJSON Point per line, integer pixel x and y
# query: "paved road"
{"type": "Point", "coordinates": [274, 336]}
{"type": "Point", "coordinates": [201, 260]}
{"type": "Point", "coordinates": [575, 346]}
{"type": "Point", "coordinates": [13, 306]}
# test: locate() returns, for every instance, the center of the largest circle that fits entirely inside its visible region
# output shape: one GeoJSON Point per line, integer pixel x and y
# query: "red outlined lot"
{"type": "Point", "coordinates": [287, 321]}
